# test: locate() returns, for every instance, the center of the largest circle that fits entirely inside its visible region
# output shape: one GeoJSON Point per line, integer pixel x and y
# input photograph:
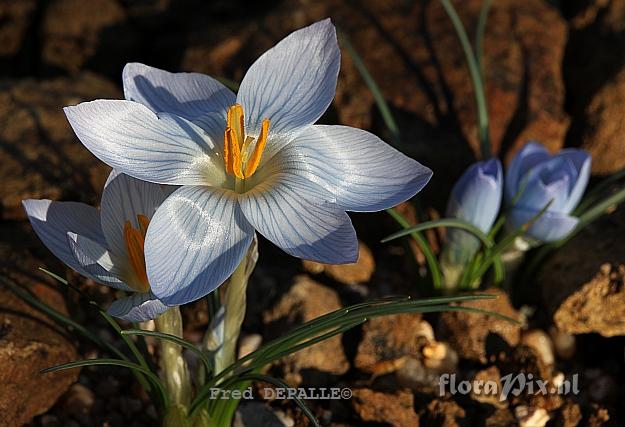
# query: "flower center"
{"type": "Point", "coordinates": [135, 240]}
{"type": "Point", "coordinates": [242, 153]}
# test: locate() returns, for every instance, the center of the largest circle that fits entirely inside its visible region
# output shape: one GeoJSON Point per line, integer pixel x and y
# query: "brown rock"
{"type": "Point", "coordinates": [500, 418]}
{"type": "Point", "coordinates": [74, 30]}
{"type": "Point", "coordinates": [41, 157]}
{"type": "Point", "coordinates": [479, 336]}
{"type": "Point", "coordinates": [570, 415]}
{"type": "Point", "coordinates": [307, 300]}
{"type": "Point", "coordinates": [388, 338]}
{"type": "Point", "coordinates": [594, 75]}
{"type": "Point", "coordinates": [603, 132]}
{"type": "Point", "coordinates": [16, 18]}
{"type": "Point", "coordinates": [485, 394]}
{"type": "Point", "coordinates": [444, 413]}
{"type": "Point", "coordinates": [348, 274]}
{"type": "Point", "coordinates": [599, 306]}
{"type": "Point", "coordinates": [29, 341]}
{"type": "Point", "coordinates": [393, 409]}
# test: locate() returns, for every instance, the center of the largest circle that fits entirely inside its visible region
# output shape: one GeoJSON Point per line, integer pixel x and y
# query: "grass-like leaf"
{"type": "Point", "coordinates": [115, 362]}
{"type": "Point", "coordinates": [455, 223]}
{"type": "Point", "coordinates": [176, 340]}
{"type": "Point", "coordinates": [430, 258]}
{"type": "Point", "coordinates": [476, 78]}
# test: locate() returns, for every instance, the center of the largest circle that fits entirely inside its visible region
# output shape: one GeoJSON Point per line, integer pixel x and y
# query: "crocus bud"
{"type": "Point", "coordinates": [536, 179]}
{"type": "Point", "coordinates": [476, 198]}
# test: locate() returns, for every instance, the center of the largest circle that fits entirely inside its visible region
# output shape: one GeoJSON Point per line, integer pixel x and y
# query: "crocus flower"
{"type": "Point", "coordinates": [105, 245]}
{"type": "Point", "coordinates": [245, 162]}
{"type": "Point", "coordinates": [476, 197]}
{"type": "Point", "coordinates": [535, 178]}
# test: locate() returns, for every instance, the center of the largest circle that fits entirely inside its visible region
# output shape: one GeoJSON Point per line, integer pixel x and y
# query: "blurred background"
{"type": "Point", "coordinates": [554, 71]}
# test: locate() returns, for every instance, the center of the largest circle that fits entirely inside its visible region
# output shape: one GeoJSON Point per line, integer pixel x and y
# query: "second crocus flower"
{"type": "Point", "coordinates": [475, 198]}
{"type": "Point", "coordinates": [536, 179]}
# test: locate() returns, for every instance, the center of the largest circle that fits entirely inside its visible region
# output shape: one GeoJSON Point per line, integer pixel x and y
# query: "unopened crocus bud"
{"type": "Point", "coordinates": [476, 198]}
{"type": "Point", "coordinates": [535, 180]}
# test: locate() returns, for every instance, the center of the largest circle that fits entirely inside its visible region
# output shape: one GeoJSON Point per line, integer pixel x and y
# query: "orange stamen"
{"type": "Point", "coordinates": [254, 161]}
{"type": "Point", "coordinates": [134, 246]}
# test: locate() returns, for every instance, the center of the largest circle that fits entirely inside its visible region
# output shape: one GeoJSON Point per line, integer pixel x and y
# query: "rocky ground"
{"type": "Point", "coordinates": [555, 72]}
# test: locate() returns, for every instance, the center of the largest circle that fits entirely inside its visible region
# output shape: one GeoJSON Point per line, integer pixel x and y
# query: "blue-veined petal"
{"type": "Point", "coordinates": [551, 226]}
{"type": "Point", "coordinates": [162, 148]}
{"type": "Point", "coordinates": [529, 156]}
{"type": "Point", "coordinates": [357, 168]}
{"type": "Point", "coordinates": [582, 163]}
{"type": "Point", "coordinates": [137, 307]}
{"type": "Point", "coordinates": [188, 95]}
{"type": "Point", "coordinates": [96, 261]}
{"type": "Point", "coordinates": [53, 220]}
{"type": "Point", "coordinates": [293, 83]}
{"type": "Point", "coordinates": [282, 209]}
{"type": "Point", "coordinates": [195, 241]}
{"type": "Point", "coordinates": [476, 197]}
{"type": "Point", "coordinates": [123, 198]}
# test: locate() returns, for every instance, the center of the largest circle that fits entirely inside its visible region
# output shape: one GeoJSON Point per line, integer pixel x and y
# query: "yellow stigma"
{"type": "Point", "coordinates": [134, 246]}
{"type": "Point", "coordinates": [237, 158]}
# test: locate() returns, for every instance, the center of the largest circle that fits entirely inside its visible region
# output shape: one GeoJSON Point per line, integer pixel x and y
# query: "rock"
{"type": "Point", "coordinates": [594, 72]}
{"type": "Point", "coordinates": [41, 157]}
{"type": "Point", "coordinates": [500, 418]}
{"type": "Point", "coordinates": [598, 417]}
{"type": "Point", "coordinates": [306, 300]}
{"type": "Point", "coordinates": [444, 413]}
{"type": "Point", "coordinates": [478, 336]}
{"type": "Point", "coordinates": [541, 343]}
{"type": "Point", "coordinates": [29, 341]}
{"type": "Point", "coordinates": [563, 343]}
{"type": "Point", "coordinates": [249, 343]}
{"type": "Point", "coordinates": [78, 400]}
{"type": "Point", "coordinates": [252, 414]}
{"type": "Point", "coordinates": [485, 393]}
{"type": "Point", "coordinates": [388, 338]}
{"type": "Point", "coordinates": [348, 274]}
{"type": "Point", "coordinates": [570, 415]}
{"type": "Point", "coordinates": [531, 417]}
{"type": "Point", "coordinates": [599, 306]}
{"type": "Point", "coordinates": [396, 409]}
{"type": "Point", "coordinates": [17, 18]}
{"type": "Point", "coordinates": [73, 33]}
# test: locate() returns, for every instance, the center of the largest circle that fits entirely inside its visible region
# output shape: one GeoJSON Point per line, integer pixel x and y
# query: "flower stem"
{"type": "Point", "coordinates": [174, 369]}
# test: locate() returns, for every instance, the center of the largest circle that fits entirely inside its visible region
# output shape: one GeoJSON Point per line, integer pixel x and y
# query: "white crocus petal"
{"type": "Point", "coordinates": [53, 220]}
{"type": "Point", "coordinates": [529, 156]}
{"type": "Point", "coordinates": [188, 95]}
{"type": "Point", "coordinates": [160, 148]}
{"type": "Point", "coordinates": [361, 171]}
{"type": "Point", "coordinates": [195, 241]}
{"type": "Point", "coordinates": [284, 211]}
{"type": "Point", "coordinates": [124, 198]}
{"type": "Point", "coordinates": [138, 307]}
{"type": "Point", "coordinates": [293, 83]}
{"type": "Point", "coordinates": [96, 261]}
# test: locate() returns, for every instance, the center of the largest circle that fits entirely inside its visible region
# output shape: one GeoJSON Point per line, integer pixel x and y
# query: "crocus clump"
{"type": "Point", "coordinates": [535, 180]}
{"type": "Point", "coordinates": [106, 245]}
{"type": "Point", "coordinates": [254, 161]}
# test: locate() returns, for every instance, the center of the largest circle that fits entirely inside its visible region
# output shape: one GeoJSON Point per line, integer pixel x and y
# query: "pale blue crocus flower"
{"type": "Point", "coordinates": [475, 198]}
{"type": "Point", "coordinates": [105, 245]}
{"type": "Point", "coordinates": [245, 162]}
{"type": "Point", "coordinates": [535, 178]}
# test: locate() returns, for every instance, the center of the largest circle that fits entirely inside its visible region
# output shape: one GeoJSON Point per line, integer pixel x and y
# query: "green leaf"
{"type": "Point", "coordinates": [114, 362]}
{"type": "Point", "coordinates": [476, 78]}
{"type": "Point", "coordinates": [430, 258]}
{"type": "Point", "coordinates": [455, 223]}
{"type": "Point", "coordinates": [176, 340]}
